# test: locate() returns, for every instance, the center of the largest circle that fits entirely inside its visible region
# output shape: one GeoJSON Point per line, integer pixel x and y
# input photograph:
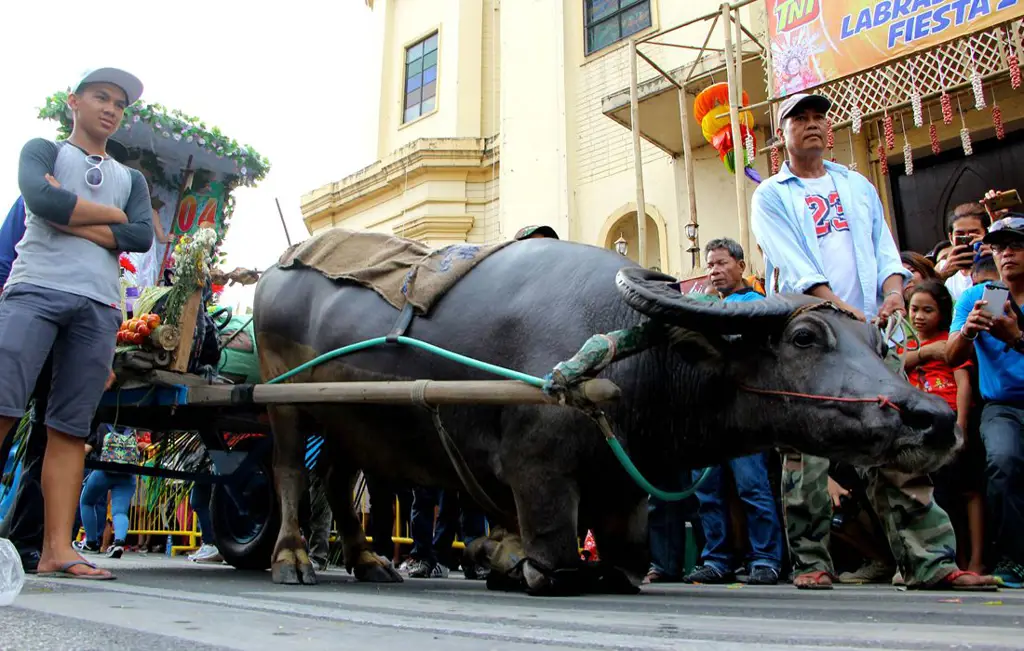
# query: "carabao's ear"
{"type": "Point", "coordinates": [694, 346]}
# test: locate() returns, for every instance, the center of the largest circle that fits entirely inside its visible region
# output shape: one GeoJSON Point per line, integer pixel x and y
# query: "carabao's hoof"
{"type": "Point", "coordinates": [292, 567]}
{"type": "Point", "coordinates": [372, 568]}
{"type": "Point", "coordinates": [586, 578]}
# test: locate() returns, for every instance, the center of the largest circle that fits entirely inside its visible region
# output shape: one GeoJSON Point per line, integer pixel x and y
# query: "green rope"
{"type": "Point", "coordinates": [533, 380]}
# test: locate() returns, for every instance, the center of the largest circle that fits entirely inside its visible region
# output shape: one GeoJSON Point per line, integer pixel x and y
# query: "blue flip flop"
{"type": "Point", "coordinates": [65, 573]}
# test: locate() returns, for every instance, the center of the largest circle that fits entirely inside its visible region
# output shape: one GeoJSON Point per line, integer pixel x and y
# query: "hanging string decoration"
{"type": "Point", "coordinates": [979, 91]}
{"type": "Point", "coordinates": [830, 135]}
{"type": "Point", "coordinates": [965, 140]}
{"type": "Point", "coordinates": [915, 98]}
{"type": "Point", "coordinates": [947, 108]}
{"type": "Point", "coordinates": [890, 134]}
{"type": "Point", "coordinates": [856, 118]}
{"type": "Point", "coordinates": [915, 105]}
{"type": "Point", "coordinates": [775, 155]}
{"type": "Point", "coordinates": [965, 135]}
{"type": "Point", "coordinates": [997, 120]}
{"type": "Point", "coordinates": [933, 133]}
{"type": "Point", "coordinates": [853, 160]}
{"type": "Point", "coordinates": [750, 145]}
{"type": "Point", "coordinates": [1014, 64]}
{"type": "Point", "coordinates": [711, 110]}
{"type": "Point", "coordinates": [883, 162]}
{"type": "Point", "coordinates": [908, 152]}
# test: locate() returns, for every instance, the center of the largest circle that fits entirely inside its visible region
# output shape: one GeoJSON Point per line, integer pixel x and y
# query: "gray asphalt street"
{"type": "Point", "coordinates": [160, 603]}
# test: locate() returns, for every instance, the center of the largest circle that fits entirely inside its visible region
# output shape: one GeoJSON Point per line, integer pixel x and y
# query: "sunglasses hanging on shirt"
{"type": "Point", "coordinates": [94, 175]}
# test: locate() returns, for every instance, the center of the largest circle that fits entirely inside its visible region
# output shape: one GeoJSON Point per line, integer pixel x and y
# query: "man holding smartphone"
{"type": "Point", "coordinates": [988, 320]}
{"type": "Point", "coordinates": [967, 224]}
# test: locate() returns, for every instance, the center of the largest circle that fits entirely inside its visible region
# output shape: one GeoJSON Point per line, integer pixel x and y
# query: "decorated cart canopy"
{"type": "Point", "coordinates": [192, 170]}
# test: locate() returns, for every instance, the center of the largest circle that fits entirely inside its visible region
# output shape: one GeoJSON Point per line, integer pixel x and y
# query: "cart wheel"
{"type": "Point", "coordinates": [246, 530]}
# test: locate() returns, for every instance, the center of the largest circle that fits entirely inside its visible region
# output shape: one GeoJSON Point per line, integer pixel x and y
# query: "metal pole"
{"type": "Point", "coordinates": [691, 189]}
{"type": "Point", "coordinates": [638, 164]}
{"type": "Point", "coordinates": [283, 225]}
{"type": "Point", "coordinates": [735, 96]}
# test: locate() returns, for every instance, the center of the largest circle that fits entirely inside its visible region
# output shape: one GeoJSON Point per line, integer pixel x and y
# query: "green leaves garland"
{"type": "Point", "coordinates": [176, 125]}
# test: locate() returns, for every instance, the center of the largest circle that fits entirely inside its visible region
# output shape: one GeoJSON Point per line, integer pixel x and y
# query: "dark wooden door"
{"type": "Point", "coordinates": [940, 183]}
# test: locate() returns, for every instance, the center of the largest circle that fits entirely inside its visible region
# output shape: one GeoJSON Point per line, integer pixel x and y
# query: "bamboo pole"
{"type": "Point", "coordinates": [638, 163]}
{"type": "Point", "coordinates": [735, 97]}
{"type": "Point", "coordinates": [691, 187]}
{"type": "Point", "coordinates": [433, 392]}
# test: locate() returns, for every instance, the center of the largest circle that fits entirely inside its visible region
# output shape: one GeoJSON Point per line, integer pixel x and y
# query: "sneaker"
{"type": "Point", "coordinates": [897, 579]}
{"type": "Point", "coordinates": [116, 550]}
{"type": "Point", "coordinates": [419, 569]}
{"type": "Point", "coordinates": [440, 571]}
{"type": "Point", "coordinates": [207, 554]}
{"type": "Point", "coordinates": [707, 574]}
{"type": "Point", "coordinates": [319, 563]}
{"type": "Point", "coordinates": [763, 575]}
{"type": "Point", "coordinates": [86, 546]}
{"type": "Point", "coordinates": [870, 572]}
{"type": "Point", "coordinates": [404, 567]}
{"type": "Point", "coordinates": [1009, 574]}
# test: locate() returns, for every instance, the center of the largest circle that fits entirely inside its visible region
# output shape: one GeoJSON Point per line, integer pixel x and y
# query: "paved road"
{"type": "Point", "coordinates": [159, 603]}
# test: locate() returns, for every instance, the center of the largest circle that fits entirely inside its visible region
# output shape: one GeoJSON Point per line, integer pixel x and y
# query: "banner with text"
{"type": "Point", "coordinates": [814, 42]}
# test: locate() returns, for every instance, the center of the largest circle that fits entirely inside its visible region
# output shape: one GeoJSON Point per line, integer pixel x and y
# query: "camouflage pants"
{"type": "Point", "coordinates": [919, 532]}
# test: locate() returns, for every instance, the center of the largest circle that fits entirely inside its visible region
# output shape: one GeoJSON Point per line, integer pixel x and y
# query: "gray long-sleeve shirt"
{"type": "Point", "coordinates": [50, 258]}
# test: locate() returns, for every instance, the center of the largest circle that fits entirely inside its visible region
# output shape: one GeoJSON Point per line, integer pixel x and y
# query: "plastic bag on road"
{"type": "Point", "coordinates": [12, 576]}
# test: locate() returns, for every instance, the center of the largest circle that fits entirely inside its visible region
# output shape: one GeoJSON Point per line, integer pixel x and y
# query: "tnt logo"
{"type": "Point", "coordinates": [790, 14]}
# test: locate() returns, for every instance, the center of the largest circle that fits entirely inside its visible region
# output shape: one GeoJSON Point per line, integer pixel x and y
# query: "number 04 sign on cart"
{"type": "Point", "coordinates": [198, 209]}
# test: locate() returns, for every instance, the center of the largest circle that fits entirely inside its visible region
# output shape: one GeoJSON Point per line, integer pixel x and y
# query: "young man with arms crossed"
{"type": "Point", "coordinates": [823, 233]}
{"type": "Point", "coordinates": [82, 209]}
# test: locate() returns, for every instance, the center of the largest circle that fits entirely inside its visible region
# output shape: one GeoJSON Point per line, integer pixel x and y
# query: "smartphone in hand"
{"type": "Point", "coordinates": [995, 296]}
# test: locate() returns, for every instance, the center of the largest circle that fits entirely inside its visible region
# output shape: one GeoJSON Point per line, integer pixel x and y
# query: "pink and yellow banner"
{"type": "Point", "coordinates": [817, 41]}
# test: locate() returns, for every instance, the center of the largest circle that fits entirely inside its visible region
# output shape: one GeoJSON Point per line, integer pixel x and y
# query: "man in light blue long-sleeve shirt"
{"type": "Point", "coordinates": [823, 233]}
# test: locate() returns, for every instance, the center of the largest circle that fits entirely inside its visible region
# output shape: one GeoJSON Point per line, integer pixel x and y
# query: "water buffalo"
{"type": "Point", "coordinates": [689, 400]}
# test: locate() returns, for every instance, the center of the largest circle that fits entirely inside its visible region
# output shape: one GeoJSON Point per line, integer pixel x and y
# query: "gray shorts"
{"type": "Point", "coordinates": [82, 334]}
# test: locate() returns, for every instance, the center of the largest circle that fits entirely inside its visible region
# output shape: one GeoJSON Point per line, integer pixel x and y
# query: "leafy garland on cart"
{"type": "Point", "coordinates": [193, 262]}
{"type": "Point", "coordinates": [174, 124]}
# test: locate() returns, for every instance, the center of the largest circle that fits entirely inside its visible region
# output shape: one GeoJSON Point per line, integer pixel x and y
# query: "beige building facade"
{"type": "Point", "coordinates": [498, 114]}
{"type": "Point", "coordinates": [517, 132]}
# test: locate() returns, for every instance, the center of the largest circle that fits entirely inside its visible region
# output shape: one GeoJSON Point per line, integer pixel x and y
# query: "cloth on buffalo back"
{"type": "Point", "coordinates": [400, 270]}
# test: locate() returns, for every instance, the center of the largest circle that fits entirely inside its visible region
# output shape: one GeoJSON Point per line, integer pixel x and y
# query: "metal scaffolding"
{"type": "Point", "coordinates": [733, 32]}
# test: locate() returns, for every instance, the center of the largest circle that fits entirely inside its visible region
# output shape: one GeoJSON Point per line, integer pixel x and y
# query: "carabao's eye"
{"type": "Point", "coordinates": [804, 338]}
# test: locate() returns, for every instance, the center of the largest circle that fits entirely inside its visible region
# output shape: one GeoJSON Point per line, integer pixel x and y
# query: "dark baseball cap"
{"type": "Point", "coordinates": [1008, 229]}
{"type": "Point", "coordinates": [800, 101]}
{"type": "Point", "coordinates": [527, 231]}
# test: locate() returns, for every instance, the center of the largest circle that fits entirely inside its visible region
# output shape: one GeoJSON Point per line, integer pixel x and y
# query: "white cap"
{"type": "Point", "coordinates": [126, 81]}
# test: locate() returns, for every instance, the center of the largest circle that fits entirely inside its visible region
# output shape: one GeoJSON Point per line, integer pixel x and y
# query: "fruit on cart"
{"type": "Point", "coordinates": [138, 330]}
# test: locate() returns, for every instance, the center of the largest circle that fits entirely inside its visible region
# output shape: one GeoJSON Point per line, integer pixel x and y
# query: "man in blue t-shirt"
{"type": "Point", "coordinates": [726, 264]}
{"type": "Point", "coordinates": [999, 345]}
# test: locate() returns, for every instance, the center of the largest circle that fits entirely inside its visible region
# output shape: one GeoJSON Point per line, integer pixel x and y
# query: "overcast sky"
{"type": "Point", "coordinates": [301, 86]}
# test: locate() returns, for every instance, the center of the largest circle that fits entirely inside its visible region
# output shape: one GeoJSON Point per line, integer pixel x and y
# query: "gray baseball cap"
{"type": "Point", "coordinates": [126, 81]}
{"type": "Point", "coordinates": [794, 103]}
